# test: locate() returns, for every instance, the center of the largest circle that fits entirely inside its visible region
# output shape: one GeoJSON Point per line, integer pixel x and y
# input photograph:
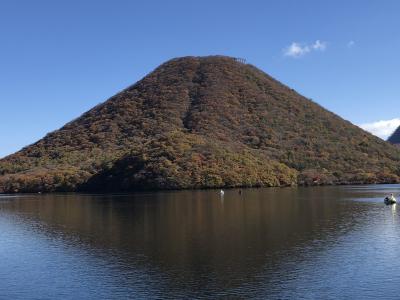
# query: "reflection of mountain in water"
{"type": "Point", "coordinates": [197, 241]}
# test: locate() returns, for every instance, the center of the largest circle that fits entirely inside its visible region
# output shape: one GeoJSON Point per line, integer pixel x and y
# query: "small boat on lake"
{"type": "Point", "coordinates": [390, 199]}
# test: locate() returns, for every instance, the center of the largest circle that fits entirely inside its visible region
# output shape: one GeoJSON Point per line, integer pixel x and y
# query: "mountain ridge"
{"type": "Point", "coordinates": [201, 122]}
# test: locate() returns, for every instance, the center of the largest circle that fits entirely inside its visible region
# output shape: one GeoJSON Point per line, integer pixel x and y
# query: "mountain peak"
{"type": "Point", "coordinates": [200, 122]}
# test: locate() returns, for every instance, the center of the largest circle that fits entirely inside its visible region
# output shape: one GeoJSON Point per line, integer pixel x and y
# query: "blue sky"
{"type": "Point", "coordinates": [60, 58]}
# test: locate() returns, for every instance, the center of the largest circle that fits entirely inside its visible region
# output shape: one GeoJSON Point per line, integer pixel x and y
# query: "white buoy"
{"type": "Point", "coordinates": [222, 192]}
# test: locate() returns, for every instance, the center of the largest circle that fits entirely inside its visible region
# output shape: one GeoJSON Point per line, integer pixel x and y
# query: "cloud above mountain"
{"type": "Point", "coordinates": [383, 128]}
{"type": "Point", "coordinates": [296, 50]}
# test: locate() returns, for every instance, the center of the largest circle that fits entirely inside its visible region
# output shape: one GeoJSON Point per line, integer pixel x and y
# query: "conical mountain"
{"type": "Point", "coordinates": [198, 122]}
{"type": "Point", "coordinates": [395, 137]}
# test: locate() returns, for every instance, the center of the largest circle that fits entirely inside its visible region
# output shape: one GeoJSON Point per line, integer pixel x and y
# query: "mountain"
{"type": "Point", "coordinates": [395, 137]}
{"type": "Point", "coordinates": [201, 122]}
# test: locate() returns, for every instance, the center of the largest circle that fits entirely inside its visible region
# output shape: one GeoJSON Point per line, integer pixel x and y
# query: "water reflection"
{"type": "Point", "coordinates": [198, 243]}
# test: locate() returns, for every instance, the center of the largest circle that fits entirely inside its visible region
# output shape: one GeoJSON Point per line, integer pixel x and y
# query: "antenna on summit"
{"type": "Point", "coordinates": [241, 60]}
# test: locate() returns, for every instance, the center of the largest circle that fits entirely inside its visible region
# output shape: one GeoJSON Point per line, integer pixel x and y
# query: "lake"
{"type": "Point", "coordinates": [289, 243]}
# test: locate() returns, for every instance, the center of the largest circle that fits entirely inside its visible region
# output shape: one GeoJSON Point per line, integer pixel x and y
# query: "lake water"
{"type": "Point", "coordinates": [291, 243]}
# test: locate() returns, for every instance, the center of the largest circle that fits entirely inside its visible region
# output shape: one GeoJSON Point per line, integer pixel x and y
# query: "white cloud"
{"type": "Point", "coordinates": [351, 44]}
{"type": "Point", "coordinates": [382, 129]}
{"type": "Point", "coordinates": [318, 45]}
{"type": "Point", "coordinates": [297, 49]}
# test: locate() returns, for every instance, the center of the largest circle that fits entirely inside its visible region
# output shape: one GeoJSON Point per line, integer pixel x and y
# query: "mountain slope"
{"type": "Point", "coordinates": [395, 137]}
{"type": "Point", "coordinates": [201, 122]}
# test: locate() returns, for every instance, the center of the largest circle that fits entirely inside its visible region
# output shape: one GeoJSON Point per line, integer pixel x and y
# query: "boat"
{"type": "Point", "coordinates": [390, 200]}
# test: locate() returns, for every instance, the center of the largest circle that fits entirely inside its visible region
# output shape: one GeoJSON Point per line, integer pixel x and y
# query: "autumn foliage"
{"type": "Point", "coordinates": [199, 122]}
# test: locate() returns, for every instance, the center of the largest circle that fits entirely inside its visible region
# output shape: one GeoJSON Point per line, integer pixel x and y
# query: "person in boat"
{"type": "Point", "coordinates": [390, 198]}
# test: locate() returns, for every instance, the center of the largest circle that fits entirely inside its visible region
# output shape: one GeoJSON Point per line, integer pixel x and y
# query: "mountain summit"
{"type": "Point", "coordinates": [201, 122]}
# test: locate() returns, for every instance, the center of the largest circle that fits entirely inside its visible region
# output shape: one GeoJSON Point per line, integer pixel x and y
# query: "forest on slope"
{"type": "Point", "coordinates": [201, 122]}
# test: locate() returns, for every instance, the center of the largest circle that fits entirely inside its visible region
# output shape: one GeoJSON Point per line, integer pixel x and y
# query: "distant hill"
{"type": "Point", "coordinates": [201, 122]}
{"type": "Point", "coordinates": [395, 137]}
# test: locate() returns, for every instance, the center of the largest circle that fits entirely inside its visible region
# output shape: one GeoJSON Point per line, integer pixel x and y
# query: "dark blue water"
{"type": "Point", "coordinates": [294, 243]}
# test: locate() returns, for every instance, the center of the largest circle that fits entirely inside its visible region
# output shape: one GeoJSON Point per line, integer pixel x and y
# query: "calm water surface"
{"type": "Point", "coordinates": [294, 243]}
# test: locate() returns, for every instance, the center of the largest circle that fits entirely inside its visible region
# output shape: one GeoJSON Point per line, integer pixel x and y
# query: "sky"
{"type": "Point", "coordinates": [60, 58]}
